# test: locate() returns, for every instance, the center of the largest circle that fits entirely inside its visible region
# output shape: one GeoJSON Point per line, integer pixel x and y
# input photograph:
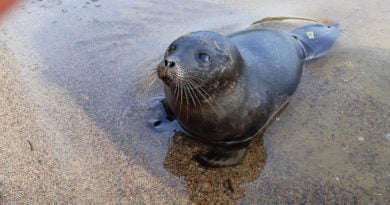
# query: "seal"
{"type": "Point", "coordinates": [224, 89]}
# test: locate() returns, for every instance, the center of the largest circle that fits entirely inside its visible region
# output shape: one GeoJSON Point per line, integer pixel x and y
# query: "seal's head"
{"type": "Point", "coordinates": [203, 59]}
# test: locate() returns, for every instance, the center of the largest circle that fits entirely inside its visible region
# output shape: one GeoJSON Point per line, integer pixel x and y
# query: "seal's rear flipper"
{"type": "Point", "coordinates": [221, 157]}
{"type": "Point", "coordinates": [316, 39]}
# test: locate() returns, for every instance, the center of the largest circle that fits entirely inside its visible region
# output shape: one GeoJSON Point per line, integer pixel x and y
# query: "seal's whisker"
{"type": "Point", "coordinates": [176, 93]}
{"type": "Point", "coordinates": [200, 81]}
{"type": "Point", "coordinates": [152, 82]}
{"type": "Point", "coordinates": [190, 93]}
{"type": "Point", "coordinates": [178, 76]}
{"type": "Point", "coordinates": [195, 75]}
{"type": "Point", "coordinates": [181, 97]}
{"type": "Point", "coordinates": [194, 91]}
{"type": "Point", "coordinates": [208, 102]}
{"type": "Point", "coordinates": [149, 80]}
{"type": "Point", "coordinates": [152, 75]}
{"type": "Point", "coordinates": [186, 98]}
{"type": "Point", "coordinates": [198, 87]}
{"type": "Point", "coordinates": [206, 97]}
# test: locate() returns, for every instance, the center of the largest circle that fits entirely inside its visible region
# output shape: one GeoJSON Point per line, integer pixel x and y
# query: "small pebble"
{"type": "Point", "coordinates": [337, 179]}
{"type": "Point", "coordinates": [388, 136]}
{"type": "Point", "coordinates": [361, 139]}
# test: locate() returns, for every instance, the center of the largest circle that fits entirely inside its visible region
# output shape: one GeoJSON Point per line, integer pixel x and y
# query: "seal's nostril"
{"type": "Point", "coordinates": [171, 64]}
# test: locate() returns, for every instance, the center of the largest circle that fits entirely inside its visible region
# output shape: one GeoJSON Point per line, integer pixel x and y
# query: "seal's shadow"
{"type": "Point", "coordinates": [206, 185]}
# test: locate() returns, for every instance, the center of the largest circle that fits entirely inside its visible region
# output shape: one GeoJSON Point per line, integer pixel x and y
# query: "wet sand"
{"type": "Point", "coordinates": [75, 104]}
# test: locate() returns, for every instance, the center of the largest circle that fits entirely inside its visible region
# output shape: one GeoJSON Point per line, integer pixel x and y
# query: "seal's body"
{"type": "Point", "coordinates": [223, 90]}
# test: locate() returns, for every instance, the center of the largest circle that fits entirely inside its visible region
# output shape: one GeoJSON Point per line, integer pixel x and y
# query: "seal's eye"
{"type": "Point", "coordinates": [204, 57]}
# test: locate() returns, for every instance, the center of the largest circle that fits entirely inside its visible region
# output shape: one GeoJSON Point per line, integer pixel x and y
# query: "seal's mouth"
{"type": "Point", "coordinates": [166, 79]}
{"type": "Point", "coordinates": [164, 75]}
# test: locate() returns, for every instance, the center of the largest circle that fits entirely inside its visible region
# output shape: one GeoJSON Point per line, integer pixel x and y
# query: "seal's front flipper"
{"type": "Point", "coordinates": [162, 118]}
{"type": "Point", "coordinates": [316, 39]}
{"type": "Point", "coordinates": [221, 157]}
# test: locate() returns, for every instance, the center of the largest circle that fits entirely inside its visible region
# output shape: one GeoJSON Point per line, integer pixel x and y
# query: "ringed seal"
{"type": "Point", "coordinates": [224, 89]}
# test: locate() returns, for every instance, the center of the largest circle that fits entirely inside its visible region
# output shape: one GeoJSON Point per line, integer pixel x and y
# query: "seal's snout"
{"type": "Point", "coordinates": [169, 63]}
{"type": "Point", "coordinates": [164, 70]}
